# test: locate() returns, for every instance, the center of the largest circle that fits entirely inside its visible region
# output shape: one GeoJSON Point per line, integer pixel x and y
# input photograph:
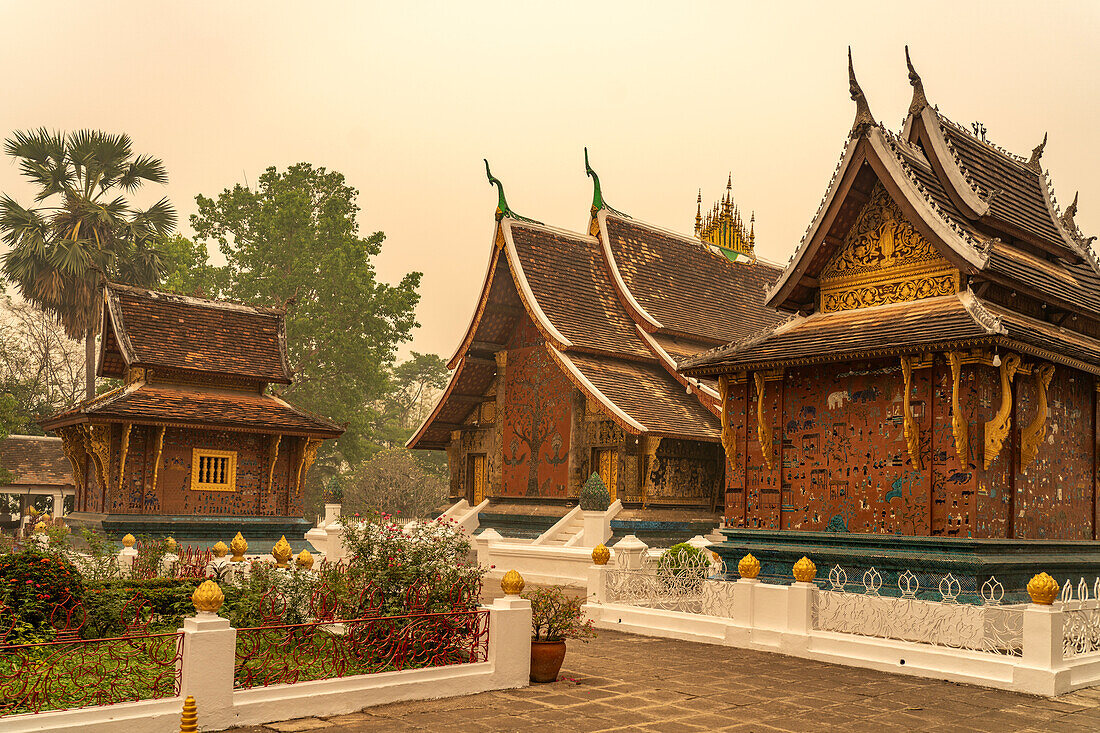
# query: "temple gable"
{"type": "Point", "coordinates": [882, 260]}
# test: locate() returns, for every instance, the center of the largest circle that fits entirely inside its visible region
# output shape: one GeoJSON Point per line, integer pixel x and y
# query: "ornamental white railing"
{"type": "Point", "coordinates": [684, 583]}
{"type": "Point", "coordinates": [989, 627]}
{"type": "Point", "coordinates": [1081, 628]}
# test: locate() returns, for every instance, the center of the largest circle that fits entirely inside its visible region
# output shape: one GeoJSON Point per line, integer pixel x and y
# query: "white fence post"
{"type": "Point", "coordinates": [209, 656]}
{"type": "Point", "coordinates": [597, 584]}
{"type": "Point", "coordinates": [597, 528]}
{"type": "Point", "coordinates": [1043, 627]}
{"type": "Point", "coordinates": [630, 552]}
{"type": "Point", "coordinates": [510, 642]}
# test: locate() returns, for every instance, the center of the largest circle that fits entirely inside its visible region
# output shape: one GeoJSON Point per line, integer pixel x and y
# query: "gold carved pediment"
{"type": "Point", "coordinates": [882, 260]}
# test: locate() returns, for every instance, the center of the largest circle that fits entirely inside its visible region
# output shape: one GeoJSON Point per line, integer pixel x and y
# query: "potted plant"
{"type": "Point", "coordinates": [555, 617]}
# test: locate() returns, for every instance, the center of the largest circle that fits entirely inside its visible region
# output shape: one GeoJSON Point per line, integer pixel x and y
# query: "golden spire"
{"type": "Point", "coordinates": [723, 225]}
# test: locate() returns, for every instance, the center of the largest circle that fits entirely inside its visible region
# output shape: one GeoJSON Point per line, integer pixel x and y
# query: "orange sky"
{"type": "Point", "coordinates": [406, 99]}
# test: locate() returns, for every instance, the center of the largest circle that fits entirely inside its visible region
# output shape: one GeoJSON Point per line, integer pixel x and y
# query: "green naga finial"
{"type": "Point", "coordinates": [598, 202]}
{"type": "Point", "coordinates": [503, 209]}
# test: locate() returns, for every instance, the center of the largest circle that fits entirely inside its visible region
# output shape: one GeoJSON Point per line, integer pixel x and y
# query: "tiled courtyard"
{"type": "Point", "coordinates": [623, 682]}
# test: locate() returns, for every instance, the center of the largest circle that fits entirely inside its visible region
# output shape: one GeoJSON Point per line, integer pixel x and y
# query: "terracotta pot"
{"type": "Point", "coordinates": [546, 659]}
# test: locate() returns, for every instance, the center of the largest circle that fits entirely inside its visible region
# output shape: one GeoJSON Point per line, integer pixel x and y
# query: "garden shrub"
{"type": "Point", "coordinates": [269, 596]}
{"type": "Point", "coordinates": [162, 603]}
{"type": "Point", "coordinates": [34, 589]}
{"type": "Point", "coordinates": [422, 566]}
{"type": "Point", "coordinates": [683, 565]}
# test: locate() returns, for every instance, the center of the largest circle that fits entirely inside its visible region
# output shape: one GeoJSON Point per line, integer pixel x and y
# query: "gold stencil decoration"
{"type": "Point", "coordinates": [884, 260]}
{"type": "Point", "coordinates": [996, 430]}
{"type": "Point", "coordinates": [1031, 436]}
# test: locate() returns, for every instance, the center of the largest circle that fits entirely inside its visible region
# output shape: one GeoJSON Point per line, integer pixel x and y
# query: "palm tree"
{"type": "Point", "coordinates": [82, 230]}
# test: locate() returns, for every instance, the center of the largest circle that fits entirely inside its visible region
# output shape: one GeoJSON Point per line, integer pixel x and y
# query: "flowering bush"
{"type": "Point", "coordinates": [32, 586]}
{"type": "Point", "coordinates": [419, 566]}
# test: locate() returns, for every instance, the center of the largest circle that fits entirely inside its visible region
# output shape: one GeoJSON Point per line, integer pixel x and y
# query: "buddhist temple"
{"type": "Point", "coordinates": [567, 368]}
{"type": "Point", "coordinates": [191, 443]}
{"type": "Point", "coordinates": [39, 478]}
{"type": "Point", "coordinates": [934, 380]}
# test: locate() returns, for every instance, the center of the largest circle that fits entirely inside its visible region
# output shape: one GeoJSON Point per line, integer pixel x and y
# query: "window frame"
{"type": "Point", "coordinates": [231, 469]}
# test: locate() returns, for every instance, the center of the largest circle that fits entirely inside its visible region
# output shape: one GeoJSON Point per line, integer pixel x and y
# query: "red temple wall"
{"type": "Point", "coordinates": [846, 465]}
{"type": "Point", "coordinates": [536, 425]}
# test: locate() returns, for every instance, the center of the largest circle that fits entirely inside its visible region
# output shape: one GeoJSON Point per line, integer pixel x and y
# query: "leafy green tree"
{"type": "Point", "coordinates": [187, 269]}
{"type": "Point", "coordinates": [293, 241]}
{"type": "Point", "coordinates": [414, 385]}
{"type": "Point", "coordinates": [82, 228]}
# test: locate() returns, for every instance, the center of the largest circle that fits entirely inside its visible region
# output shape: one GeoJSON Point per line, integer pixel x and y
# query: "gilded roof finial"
{"type": "Point", "coordinates": [598, 201]}
{"type": "Point", "coordinates": [919, 100]}
{"type": "Point", "coordinates": [864, 118]}
{"type": "Point", "coordinates": [1036, 154]}
{"type": "Point", "coordinates": [699, 211]}
{"type": "Point", "coordinates": [752, 228]}
{"type": "Point", "coordinates": [503, 209]}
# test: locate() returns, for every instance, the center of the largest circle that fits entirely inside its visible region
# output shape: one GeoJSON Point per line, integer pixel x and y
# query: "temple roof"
{"type": "Point", "coordinates": [616, 308]}
{"type": "Point", "coordinates": [147, 328]}
{"type": "Point", "coordinates": [675, 285]}
{"type": "Point", "coordinates": [941, 323]}
{"type": "Point", "coordinates": [197, 407]}
{"type": "Point", "coordinates": [35, 460]}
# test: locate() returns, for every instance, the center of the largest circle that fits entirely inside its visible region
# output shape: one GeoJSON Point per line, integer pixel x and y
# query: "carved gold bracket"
{"type": "Point", "coordinates": [763, 429]}
{"type": "Point", "coordinates": [124, 448]}
{"type": "Point", "coordinates": [1031, 436]}
{"type": "Point", "coordinates": [99, 446]}
{"type": "Point", "coordinates": [309, 455]}
{"type": "Point", "coordinates": [729, 439]}
{"type": "Point", "coordinates": [996, 430]}
{"type": "Point", "coordinates": [912, 431]}
{"type": "Point", "coordinates": [72, 443]}
{"type": "Point", "coordinates": [959, 425]}
{"type": "Point", "coordinates": [272, 457]}
{"type": "Point", "coordinates": [157, 450]}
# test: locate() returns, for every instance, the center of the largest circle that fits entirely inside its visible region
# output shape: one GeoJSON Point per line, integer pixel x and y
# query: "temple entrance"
{"type": "Point", "coordinates": [477, 475]}
{"type": "Point", "coordinates": [606, 461]}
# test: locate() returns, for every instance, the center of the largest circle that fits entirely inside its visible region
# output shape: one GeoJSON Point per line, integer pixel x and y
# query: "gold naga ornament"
{"type": "Point", "coordinates": [1031, 436]}
{"type": "Point", "coordinates": [958, 420]}
{"type": "Point", "coordinates": [512, 583]}
{"type": "Point", "coordinates": [804, 570]}
{"type": "Point", "coordinates": [220, 549]}
{"type": "Point", "coordinates": [600, 555]}
{"type": "Point", "coordinates": [208, 597]}
{"type": "Point", "coordinates": [729, 438]}
{"type": "Point", "coordinates": [1043, 589]}
{"type": "Point", "coordinates": [282, 553]}
{"type": "Point", "coordinates": [763, 429]}
{"type": "Point", "coordinates": [749, 567]}
{"type": "Point", "coordinates": [996, 430]}
{"type": "Point", "coordinates": [912, 430]}
{"type": "Point", "coordinates": [304, 560]}
{"type": "Point", "coordinates": [238, 547]}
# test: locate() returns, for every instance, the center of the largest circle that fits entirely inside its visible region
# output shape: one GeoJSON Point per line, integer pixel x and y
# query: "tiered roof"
{"type": "Point", "coordinates": [35, 460]}
{"type": "Point", "coordinates": [193, 362]}
{"type": "Point", "coordinates": [614, 306]}
{"type": "Point", "coordinates": [989, 213]}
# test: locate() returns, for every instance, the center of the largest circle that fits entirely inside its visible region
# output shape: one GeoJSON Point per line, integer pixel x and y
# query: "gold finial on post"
{"type": "Point", "coordinates": [219, 549]}
{"type": "Point", "coordinates": [1043, 589]}
{"type": "Point", "coordinates": [171, 544]}
{"type": "Point", "coordinates": [282, 552]}
{"type": "Point", "coordinates": [128, 540]}
{"type": "Point", "coordinates": [600, 554]}
{"type": "Point", "coordinates": [512, 583]}
{"type": "Point", "coordinates": [238, 546]}
{"type": "Point", "coordinates": [40, 527]}
{"type": "Point", "coordinates": [749, 567]}
{"type": "Point", "coordinates": [189, 721]}
{"type": "Point", "coordinates": [805, 571]}
{"type": "Point", "coordinates": [208, 597]}
{"type": "Point", "coordinates": [304, 560]}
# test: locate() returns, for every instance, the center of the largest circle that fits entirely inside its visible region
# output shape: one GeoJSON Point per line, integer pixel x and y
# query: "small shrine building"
{"type": "Point", "coordinates": [937, 375]}
{"type": "Point", "coordinates": [191, 443]}
{"type": "Point", "coordinates": [568, 368]}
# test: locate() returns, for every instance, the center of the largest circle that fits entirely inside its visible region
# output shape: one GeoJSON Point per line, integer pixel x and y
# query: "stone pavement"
{"type": "Point", "coordinates": [623, 682]}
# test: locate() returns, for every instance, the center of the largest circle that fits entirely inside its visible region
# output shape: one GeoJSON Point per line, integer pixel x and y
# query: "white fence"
{"type": "Point", "coordinates": [1040, 649]}
{"type": "Point", "coordinates": [208, 674]}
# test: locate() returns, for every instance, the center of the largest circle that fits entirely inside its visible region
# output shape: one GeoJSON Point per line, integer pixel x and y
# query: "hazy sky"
{"type": "Point", "coordinates": [406, 99]}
